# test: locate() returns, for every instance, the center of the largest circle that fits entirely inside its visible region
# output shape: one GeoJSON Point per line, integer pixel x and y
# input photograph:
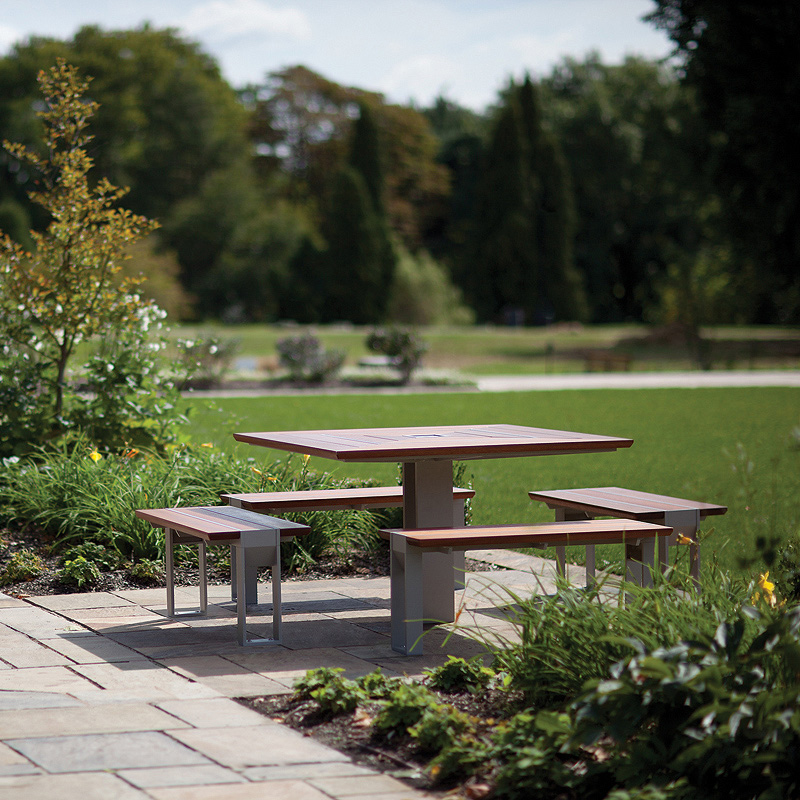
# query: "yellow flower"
{"type": "Point", "coordinates": [270, 478]}
{"type": "Point", "coordinates": [257, 471]}
{"type": "Point", "coordinates": [95, 456]}
{"type": "Point", "coordinates": [207, 444]}
{"type": "Point", "coordinates": [765, 584]}
{"type": "Point", "coordinates": [684, 539]}
{"type": "Point", "coordinates": [305, 459]}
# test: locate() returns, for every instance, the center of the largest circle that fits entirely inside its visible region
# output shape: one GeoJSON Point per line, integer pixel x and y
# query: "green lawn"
{"type": "Point", "coordinates": [693, 443]}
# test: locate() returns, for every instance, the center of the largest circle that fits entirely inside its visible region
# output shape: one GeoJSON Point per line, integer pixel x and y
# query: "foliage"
{"type": "Point", "coordinates": [402, 346]}
{"type": "Point", "coordinates": [740, 61]}
{"type": "Point", "coordinates": [458, 674]}
{"type": "Point", "coordinates": [148, 571]}
{"type": "Point", "coordinates": [78, 495]}
{"type": "Point", "coordinates": [403, 709]}
{"type": "Point", "coordinates": [307, 360]}
{"type": "Point", "coordinates": [205, 360]}
{"type": "Point", "coordinates": [24, 565]}
{"type": "Point", "coordinates": [333, 693]}
{"type": "Point", "coordinates": [67, 291]}
{"type": "Point", "coordinates": [79, 572]}
{"type": "Point", "coordinates": [422, 293]}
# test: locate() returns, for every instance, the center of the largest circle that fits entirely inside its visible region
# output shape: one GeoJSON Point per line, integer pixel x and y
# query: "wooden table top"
{"type": "Point", "coordinates": [450, 442]}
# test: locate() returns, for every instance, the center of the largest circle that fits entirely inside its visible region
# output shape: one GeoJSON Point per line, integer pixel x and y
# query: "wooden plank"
{"type": "Point", "coordinates": [331, 499]}
{"type": "Point", "coordinates": [567, 533]}
{"type": "Point", "coordinates": [179, 520]}
{"type": "Point", "coordinates": [631, 503]}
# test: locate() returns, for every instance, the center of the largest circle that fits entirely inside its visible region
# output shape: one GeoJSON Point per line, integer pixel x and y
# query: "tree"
{"type": "Point", "coordinates": [628, 133]}
{"type": "Point", "coordinates": [501, 273]}
{"type": "Point", "coordinates": [741, 58]}
{"type": "Point", "coordinates": [64, 291]}
{"type": "Point", "coordinates": [352, 283]}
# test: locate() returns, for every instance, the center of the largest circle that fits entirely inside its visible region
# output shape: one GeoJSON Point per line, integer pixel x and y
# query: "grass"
{"type": "Point", "coordinates": [694, 443]}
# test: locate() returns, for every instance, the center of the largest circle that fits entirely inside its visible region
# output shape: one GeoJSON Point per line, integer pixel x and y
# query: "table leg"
{"type": "Point", "coordinates": [406, 597]}
{"type": "Point", "coordinates": [428, 503]}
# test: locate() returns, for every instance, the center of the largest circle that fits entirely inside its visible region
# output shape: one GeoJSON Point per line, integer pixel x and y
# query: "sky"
{"type": "Point", "coordinates": [409, 50]}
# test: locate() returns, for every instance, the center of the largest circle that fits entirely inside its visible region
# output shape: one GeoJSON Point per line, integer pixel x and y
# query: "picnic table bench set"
{"type": "Point", "coordinates": [427, 554]}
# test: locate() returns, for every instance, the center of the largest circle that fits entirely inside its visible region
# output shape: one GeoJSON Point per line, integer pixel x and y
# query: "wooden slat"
{"type": "Point", "coordinates": [217, 522]}
{"type": "Point", "coordinates": [330, 499]}
{"type": "Point", "coordinates": [551, 533]}
{"type": "Point", "coordinates": [626, 502]}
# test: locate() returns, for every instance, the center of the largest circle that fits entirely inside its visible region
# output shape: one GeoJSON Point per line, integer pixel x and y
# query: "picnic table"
{"type": "Point", "coordinates": [427, 454]}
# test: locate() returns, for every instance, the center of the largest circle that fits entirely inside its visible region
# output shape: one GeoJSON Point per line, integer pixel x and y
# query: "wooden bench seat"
{"type": "Point", "coordinates": [683, 516]}
{"type": "Point", "coordinates": [330, 499]}
{"type": "Point", "coordinates": [254, 540]}
{"type": "Point", "coordinates": [360, 498]}
{"type": "Point", "coordinates": [408, 546]}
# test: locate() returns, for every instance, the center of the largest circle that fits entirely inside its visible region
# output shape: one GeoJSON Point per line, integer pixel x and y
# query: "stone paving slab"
{"type": "Point", "coordinates": [11, 699]}
{"type": "Point", "coordinates": [359, 785]}
{"type": "Point", "coordinates": [37, 622]}
{"type": "Point", "coordinates": [180, 776]}
{"type": "Point", "coordinates": [224, 676]}
{"type": "Point", "coordinates": [217, 712]}
{"type": "Point", "coordinates": [257, 745]}
{"type": "Point", "coordinates": [67, 602]}
{"type": "Point", "coordinates": [126, 717]}
{"type": "Point", "coordinates": [107, 751]}
{"type": "Point", "coordinates": [93, 649]}
{"type": "Point", "coordinates": [20, 650]}
{"type": "Point", "coordinates": [44, 679]}
{"type": "Point", "coordinates": [333, 769]}
{"type": "Point", "coordinates": [80, 786]}
{"type": "Point", "coordinates": [275, 790]}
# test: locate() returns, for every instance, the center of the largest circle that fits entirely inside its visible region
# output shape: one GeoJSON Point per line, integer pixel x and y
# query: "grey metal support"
{"type": "Point", "coordinates": [172, 538]}
{"type": "Point", "coordinates": [406, 596]}
{"type": "Point", "coordinates": [571, 515]}
{"type": "Point", "coordinates": [683, 522]}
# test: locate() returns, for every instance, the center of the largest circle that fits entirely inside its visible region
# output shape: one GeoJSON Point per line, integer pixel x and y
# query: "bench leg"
{"type": "Point", "coordinates": [686, 522]}
{"type": "Point", "coordinates": [571, 515]}
{"type": "Point", "coordinates": [460, 556]}
{"type": "Point", "coordinates": [171, 538]}
{"type": "Point", "coordinates": [640, 561]}
{"type": "Point", "coordinates": [250, 578]}
{"type": "Point", "coordinates": [406, 591]}
{"type": "Point", "coordinates": [248, 558]}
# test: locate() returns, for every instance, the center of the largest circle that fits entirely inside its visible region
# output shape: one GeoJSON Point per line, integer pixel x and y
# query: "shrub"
{"type": "Point", "coordinates": [205, 360]}
{"type": "Point", "coordinates": [307, 360]}
{"type": "Point", "coordinates": [333, 693]}
{"type": "Point", "coordinates": [79, 572]}
{"type": "Point", "coordinates": [457, 675]}
{"type": "Point", "coordinates": [76, 494]}
{"type": "Point", "coordinates": [402, 346]}
{"type": "Point", "coordinates": [147, 571]}
{"type": "Point", "coordinates": [24, 565]}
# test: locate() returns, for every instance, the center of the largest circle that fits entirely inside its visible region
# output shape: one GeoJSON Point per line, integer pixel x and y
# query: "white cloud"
{"type": "Point", "coordinates": [222, 19]}
{"type": "Point", "coordinates": [419, 78]}
{"type": "Point", "coordinates": [7, 37]}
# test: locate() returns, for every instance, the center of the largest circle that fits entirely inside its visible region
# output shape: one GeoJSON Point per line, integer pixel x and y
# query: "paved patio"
{"type": "Point", "coordinates": [102, 696]}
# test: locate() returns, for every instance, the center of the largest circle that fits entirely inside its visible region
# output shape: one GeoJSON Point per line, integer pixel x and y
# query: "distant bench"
{"type": "Point", "coordinates": [606, 361]}
{"type": "Point", "coordinates": [408, 546]}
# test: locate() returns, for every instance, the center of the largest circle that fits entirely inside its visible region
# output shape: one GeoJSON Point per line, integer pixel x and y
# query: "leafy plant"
{"type": "Point", "coordinates": [307, 360]}
{"type": "Point", "coordinates": [147, 571]}
{"type": "Point", "coordinates": [403, 709]}
{"type": "Point", "coordinates": [24, 565]}
{"type": "Point", "coordinates": [333, 693]}
{"type": "Point", "coordinates": [79, 572]}
{"type": "Point", "coordinates": [458, 674]}
{"type": "Point", "coordinates": [404, 347]}
{"type": "Point", "coordinates": [66, 290]}
{"type": "Point", "coordinates": [205, 359]}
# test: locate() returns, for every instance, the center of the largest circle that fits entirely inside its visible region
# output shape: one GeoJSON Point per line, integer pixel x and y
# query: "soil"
{"type": "Point", "coordinates": [352, 734]}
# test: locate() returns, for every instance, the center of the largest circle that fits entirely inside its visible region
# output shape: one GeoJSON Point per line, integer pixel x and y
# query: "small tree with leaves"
{"type": "Point", "coordinates": [67, 289]}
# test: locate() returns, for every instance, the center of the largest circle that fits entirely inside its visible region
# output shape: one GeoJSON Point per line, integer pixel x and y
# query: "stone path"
{"type": "Point", "coordinates": [102, 697]}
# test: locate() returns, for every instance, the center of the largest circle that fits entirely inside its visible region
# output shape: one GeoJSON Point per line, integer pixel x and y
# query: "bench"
{"type": "Point", "coordinates": [606, 361]}
{"type": "Point", "coordinates": [359, 498]}
{"type": "Point", "coordinates": [683, 516]}
{"type": "Point", "coordinates": [255, 541]}
{"type": "Point", "coordinates": [408, 547]}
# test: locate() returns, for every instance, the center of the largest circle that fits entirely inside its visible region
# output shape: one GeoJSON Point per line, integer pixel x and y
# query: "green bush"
{"type": "Point", "coordinates": [403, 347]}
{"type": "Point", "coordinates": [307, 360]}
{"type": "Point", "coordinates": [333, 693]}
{"type": "Point", "coordinates": [78, 495]}
{"type": "Point", "coordinates": [457, 675]}
{"type": "Point", "coordinates": [24, 565]}
{"type": "Point", "coordinates": [79, 572]}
